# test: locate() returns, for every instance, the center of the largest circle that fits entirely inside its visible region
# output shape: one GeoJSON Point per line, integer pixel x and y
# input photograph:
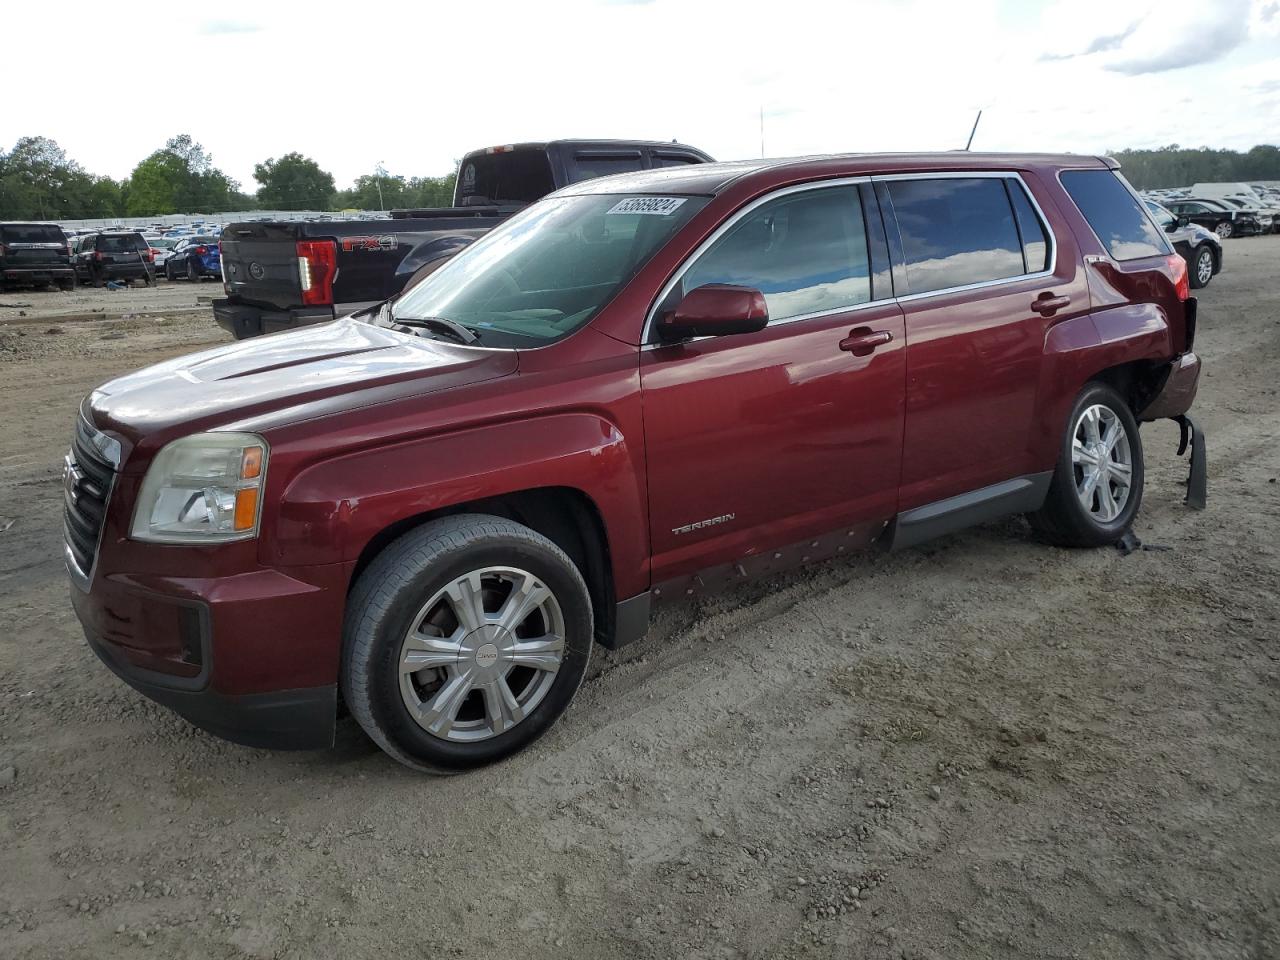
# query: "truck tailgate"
{"type": "Point", "coordinates": [260, 264]}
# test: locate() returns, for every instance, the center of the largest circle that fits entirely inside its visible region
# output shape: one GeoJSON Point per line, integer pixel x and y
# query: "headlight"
{"type": "Point", "coordinates": [205, 488]}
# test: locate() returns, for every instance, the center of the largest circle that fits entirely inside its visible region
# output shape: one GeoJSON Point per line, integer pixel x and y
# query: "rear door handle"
{"type": "Point", "coordinates": [1047, 304]}
{"type": "Point", "coordinates": [862, 341]}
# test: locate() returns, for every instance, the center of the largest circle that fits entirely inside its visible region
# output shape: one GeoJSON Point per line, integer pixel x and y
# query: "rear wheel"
{"type": "Point", "coordinates": [1097, 485]}
{"type": "Point", "coordinates": [463, 642]}
{"type": "Point", "coordinates": [1202, 267]}
{"type": "Point", "coordinates": [1224, 229]}
{"type": "Point", "coordinates": [193, 273]}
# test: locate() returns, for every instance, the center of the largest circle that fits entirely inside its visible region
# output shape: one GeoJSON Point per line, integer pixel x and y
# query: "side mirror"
{"type": "Point", "coordinates": [1183, 221]}
{"type": "Point", "coordinates": [715, 310]}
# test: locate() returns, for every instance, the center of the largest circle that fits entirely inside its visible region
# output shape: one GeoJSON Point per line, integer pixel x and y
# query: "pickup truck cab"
{"type": "Point", "coordinates": [279, 275]}
{"type": "Point", "coordinates": [640, 388]}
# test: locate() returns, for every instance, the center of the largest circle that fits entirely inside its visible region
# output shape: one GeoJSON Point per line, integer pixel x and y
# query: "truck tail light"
{"type": "Point", "coordinates": [1181, 278]}
{"type": "Point", "coordinates": [222, 266]}
{"type": "Point", "coordinates": [317, 265]}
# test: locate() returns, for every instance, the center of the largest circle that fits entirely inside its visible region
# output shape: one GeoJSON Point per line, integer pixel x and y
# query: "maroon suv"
{"type": "Point", "coordinates": [641, 387]}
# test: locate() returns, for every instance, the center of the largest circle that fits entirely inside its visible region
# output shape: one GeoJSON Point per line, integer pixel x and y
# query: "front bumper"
{"type": "Point", "coordinates": [251, 658]}
{"type": "Point", "coordinates": [243, 320]}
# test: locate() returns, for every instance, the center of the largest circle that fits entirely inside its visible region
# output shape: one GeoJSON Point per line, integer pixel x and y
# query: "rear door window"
{"type": "Point", "coordinates": [1114, 214]}
{"type": "Point", "coordinates": [806, 252]}
{"type": "Point", "coordinates": [956, 231]}
{"type": "Point", "coordinates": [673, 160]}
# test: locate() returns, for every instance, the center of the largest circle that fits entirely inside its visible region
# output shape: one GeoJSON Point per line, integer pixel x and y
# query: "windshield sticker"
{"type": "Point", "coordinates": [654, 206]}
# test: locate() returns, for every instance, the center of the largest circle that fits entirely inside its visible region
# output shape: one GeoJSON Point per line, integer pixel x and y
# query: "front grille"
{"type": "Point", "coordinates": [89, 471]}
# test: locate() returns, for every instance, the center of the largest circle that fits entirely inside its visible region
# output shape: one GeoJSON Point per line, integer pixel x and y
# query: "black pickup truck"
{"type": "Point", "coordinates": [284, 274]}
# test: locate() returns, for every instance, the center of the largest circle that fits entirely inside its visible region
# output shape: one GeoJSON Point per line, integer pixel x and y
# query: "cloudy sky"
{"type": "Point", "coordinates": [415, 84]}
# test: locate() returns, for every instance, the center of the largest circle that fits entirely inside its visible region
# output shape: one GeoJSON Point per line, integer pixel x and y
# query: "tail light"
{"type": "Point", "coordinates": [201, 251]}
{"type": "Point", "coordinates": [97, 254]}
{"type": "Point", "coordinates": [151, 255]}
{"type": "Point", "coordinates": [317, 266]}
{"type": "Point", "coordinates": [1181, 278]}
{"type": "Point", "coordinates": [222, 266]}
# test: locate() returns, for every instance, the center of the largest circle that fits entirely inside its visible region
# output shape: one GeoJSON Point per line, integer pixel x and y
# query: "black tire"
{"type": "Point", "coordinates": [1201, 266]}
{"type": "Point", "coordinates": [193, 272]}
{"type": "Point", "coordinates": [1064, 519]}
{"type": "Point", "coordinates": [67, 285]}
{"type": "Point", "coordinates": [168, 272]}
{"type": "Point", "coordinates": [389, 595]}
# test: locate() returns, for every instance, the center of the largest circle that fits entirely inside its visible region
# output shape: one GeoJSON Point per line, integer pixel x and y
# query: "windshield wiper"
{"type": "Point", "coordinates": [439, 325]}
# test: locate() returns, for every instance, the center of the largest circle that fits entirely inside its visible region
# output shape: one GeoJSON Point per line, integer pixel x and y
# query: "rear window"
{"type": "Point", "coordinates": [673, 160]}
{"type": "Point", "coordinates": [31, 233]}
{"type": "Point", "coordinates": [588, 166]}
{"type": "Point", "coordinates": [956, 231]}
{"type": "Point", "coordinates": [121, 243]}
{"type": "Point", "coordinates": [1114, 214]}
{"type": "Point", "coordinates": [522, 176]}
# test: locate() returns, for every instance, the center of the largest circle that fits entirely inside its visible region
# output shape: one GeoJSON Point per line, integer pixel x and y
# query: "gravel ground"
{"type": "Point", "coordinates": [984, 747]}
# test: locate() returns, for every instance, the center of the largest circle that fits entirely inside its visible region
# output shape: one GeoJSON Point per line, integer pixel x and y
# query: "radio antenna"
{"type": "Point", "coordinates": [974, 130]}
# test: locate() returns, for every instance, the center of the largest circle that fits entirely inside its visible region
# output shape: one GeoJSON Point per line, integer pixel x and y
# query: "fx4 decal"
{"type": "Point", "coordinates": [385, 242]}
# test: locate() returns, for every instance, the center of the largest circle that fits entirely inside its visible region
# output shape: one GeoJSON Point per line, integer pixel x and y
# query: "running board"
{"type": "Point", "coordinates": [1019, 495]}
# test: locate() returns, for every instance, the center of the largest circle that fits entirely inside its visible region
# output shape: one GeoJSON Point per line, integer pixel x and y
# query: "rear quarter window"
{"type": "Point", "coordinates": [1114, 214]}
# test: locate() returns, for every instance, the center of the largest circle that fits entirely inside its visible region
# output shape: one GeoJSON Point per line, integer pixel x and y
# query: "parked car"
{"type": "Point", "coordinates": [112, 255]}
{"type": "Point", "coordinates": [1212, 215]}
{"type": "Point", "coordinates": [161, 248]}
{"type": "Point", "coordinates": [637, 389]}
{"type": "Point", "coordinates": [1201, 248]}
{"type": "Point", "coordinates": [194, 258]}
{"type": "Point", "coordinates": [1268, 217]}
{"type": "Point", "coordinates": [283, 274]}
{"type": "Point", "coordinates": [35, 254]}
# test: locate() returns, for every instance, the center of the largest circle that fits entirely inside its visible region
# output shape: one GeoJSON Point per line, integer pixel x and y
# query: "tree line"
{"type": "Point", "coordinates": [1175, 166]}
{"type": "Point", "coordinates": [38, 181]}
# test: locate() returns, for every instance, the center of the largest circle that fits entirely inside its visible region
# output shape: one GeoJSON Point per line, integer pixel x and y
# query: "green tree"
{"type": "Point", "coordinates": [39, 181]}
{"type": "Point", "coordinates": [293, 182]}
{"type": "Point", "coordinates": [1176, 166]}
{"type": "Point", "coordinates": [179, 178]}
{"type": "Point", "coordinates": [432, 191]}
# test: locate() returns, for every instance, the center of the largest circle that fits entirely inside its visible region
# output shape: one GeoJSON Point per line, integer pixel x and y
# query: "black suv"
{"type": "Point", "coordinates": [117, 255]}
{"type": "Point", "coordinates": [34, 253]}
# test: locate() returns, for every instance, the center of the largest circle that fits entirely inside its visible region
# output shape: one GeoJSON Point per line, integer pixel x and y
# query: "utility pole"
{"type": "Point", "coordinates": [378, 173]}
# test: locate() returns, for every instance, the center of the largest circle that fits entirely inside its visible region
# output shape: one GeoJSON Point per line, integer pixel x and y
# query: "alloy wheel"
{"type": "Point", "coordinates": [1223, 229]}
{"type": "Point", "coordinates": [1103, 462]}
{"type": "Point", "coordinates": [481, 654]}
{"type": "Point", "coordinates": [1204, 267]}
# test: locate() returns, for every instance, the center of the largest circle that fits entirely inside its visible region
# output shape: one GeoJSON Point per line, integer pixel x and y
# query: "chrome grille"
{"type": "Point", "coordinates": [88, 473]}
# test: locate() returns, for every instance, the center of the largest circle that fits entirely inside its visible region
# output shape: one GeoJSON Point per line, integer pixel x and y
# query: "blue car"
{"type": "Point", "coordinates": [194, 258]}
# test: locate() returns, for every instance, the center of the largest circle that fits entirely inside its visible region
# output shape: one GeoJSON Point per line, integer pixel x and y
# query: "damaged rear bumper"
{"type": "Point", "coordinates": [1173, 402]}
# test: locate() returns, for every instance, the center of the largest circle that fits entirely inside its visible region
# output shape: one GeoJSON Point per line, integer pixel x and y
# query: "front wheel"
{"type": "Point", "coordinates": [1202, 267]}
{"type": "Point", "coordinates": [464, 641]}
{"type": "Point", "coordinates": [1224, 229]}
{"type": "Point", "coordinates": [1097, 485]}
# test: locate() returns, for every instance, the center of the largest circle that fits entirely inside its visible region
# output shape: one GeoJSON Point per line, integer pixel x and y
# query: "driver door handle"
{"type": "Point", "coordinates": [1047, 304]}
{"type": "Point", "coordinates": [862, 341]}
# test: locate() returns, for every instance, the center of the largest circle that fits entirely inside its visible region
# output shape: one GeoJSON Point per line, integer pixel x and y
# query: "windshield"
{"type": "Point", "coordinates": [547, 271]}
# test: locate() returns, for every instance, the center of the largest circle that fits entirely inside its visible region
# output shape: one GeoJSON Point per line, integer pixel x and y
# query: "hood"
{"type": "Point", "coordinates": [328, 366]}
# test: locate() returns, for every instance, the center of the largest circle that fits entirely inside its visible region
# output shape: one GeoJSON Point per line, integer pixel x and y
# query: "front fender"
{"type": "Point", "coordinates": [331, 510]}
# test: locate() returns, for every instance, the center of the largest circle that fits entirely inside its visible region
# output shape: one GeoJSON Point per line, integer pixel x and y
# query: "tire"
{"type": "Point", "coordinates": [193, 272]}
{"type": "Point", "coordinates": [1224, 229]}
{"type": "Point", "coordinates": [406, 588]}
{"type": "Point", "coordinates": [1064, 519]}
{"type": "Point", "coordinates": [67, 285]}
{"type": "Point", "coordinates": [168, 272]}
{"type": "Point", "coordinates": [1200, 269]}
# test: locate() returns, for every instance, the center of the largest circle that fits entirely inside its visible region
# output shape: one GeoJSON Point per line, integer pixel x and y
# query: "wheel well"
{"type": "Point", "coordinates": [565, 516]}
{"type": "Point", "coordinates": [1137, 381]}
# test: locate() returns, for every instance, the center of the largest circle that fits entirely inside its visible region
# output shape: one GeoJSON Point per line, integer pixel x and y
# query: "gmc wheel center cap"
{"type": "Point", "coordinates": [486, 655]}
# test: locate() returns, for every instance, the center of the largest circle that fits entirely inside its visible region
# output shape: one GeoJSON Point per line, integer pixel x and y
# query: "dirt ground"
{"type": "Point", "coordinates": [984, 747]}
